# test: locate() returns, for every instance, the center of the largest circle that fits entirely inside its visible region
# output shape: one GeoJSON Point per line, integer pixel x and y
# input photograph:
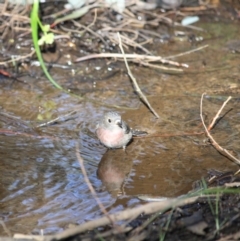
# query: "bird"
{"type": "Point", "coordinates": [113, 132]}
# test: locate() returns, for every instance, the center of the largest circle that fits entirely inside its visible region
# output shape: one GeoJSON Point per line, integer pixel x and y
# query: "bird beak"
{"type": "Point", "coordinates": [119, 123]}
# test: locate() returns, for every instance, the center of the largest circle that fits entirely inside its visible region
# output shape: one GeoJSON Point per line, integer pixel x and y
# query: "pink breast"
{"type": "Point", "coordinates": [110, 138]}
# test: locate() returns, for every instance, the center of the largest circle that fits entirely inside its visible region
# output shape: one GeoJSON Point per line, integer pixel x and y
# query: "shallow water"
{"type": "Point", "coordinates": [41, 183]}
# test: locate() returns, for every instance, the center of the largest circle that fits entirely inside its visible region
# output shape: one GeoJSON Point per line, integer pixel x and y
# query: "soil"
{"type": "Point", "coordinates": [43, 188]}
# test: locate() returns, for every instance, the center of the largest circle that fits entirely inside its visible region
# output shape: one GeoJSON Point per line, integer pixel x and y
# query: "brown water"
{"type": "Point", "coordinates": [41, 183]}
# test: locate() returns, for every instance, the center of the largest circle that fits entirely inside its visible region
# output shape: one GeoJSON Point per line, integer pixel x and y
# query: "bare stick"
{"type": "Point", "coordinates": [58, 119]}
{"type": "Point", "coordinates": [18, 58]}
{"type": "Point", "coordinates": [86, 179]}
{"type": "Point", "coordinates": [131, 57]}
{"type": "Point", "coordinates": [89, 30]}
{"type": "Point", "coordinates": [217, 115]}
{"type": "Point", "coordinates": [128, 42]}
{"type": "Point", "coordinates": [214, 143]}
{"type": "Point", "coordinates": [5, 228]}
{"type": "Point", "coordinates": [142, 96]}
{"type": "Point", "coordinates": [124, 215]}
{"type": "Point", "coordinates": [187, 52]}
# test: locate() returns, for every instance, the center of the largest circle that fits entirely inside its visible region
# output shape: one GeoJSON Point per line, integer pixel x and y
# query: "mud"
{"type": "Point", "coordinates": [41, 183]}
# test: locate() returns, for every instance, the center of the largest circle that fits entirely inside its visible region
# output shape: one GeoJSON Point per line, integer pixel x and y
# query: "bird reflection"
{"type": "Point", "coordinates": [113, 170]}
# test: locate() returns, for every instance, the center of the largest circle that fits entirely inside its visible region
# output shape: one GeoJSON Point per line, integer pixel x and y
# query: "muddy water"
{"type": "Point", "coordinates": [41, 183]}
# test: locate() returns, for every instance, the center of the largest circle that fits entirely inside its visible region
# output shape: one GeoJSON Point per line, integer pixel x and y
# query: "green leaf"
{"type": "Point", "coordinates": [46, 39]}
{"type": "Point", "coordinates": [34, 27]}
{"type": "Point", "coordinates": [49, 38]}
{"type": "Point", "coordinates": [41, 41]}
{"type": "Point", "coordinates": [46, 28]}
{"type": "Point", "coordinates": [40, 117]}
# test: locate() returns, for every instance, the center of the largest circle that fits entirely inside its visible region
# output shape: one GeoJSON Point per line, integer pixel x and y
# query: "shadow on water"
{"type": "Point", "coordinates": [41, 184]}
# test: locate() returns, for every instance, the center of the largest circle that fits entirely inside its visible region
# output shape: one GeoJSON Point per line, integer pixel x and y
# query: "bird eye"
{"type": "Point", "coordinates": [109, 120]}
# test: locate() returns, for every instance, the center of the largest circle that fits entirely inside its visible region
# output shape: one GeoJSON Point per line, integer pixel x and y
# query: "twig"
{"type": "Point", "coordinates": [142, 96]}
{"type": "Point", "coordinates": [128, 42]}
{"type": "Point", "coordinates": [218, 113]}
{"type": "Point", "coordinates": [5, 228]}
{"type": "Point", "coordinates": [162, 68]}
{"type": "Point", "coordinates": [86, 179]}
{"type": "Point", "coordinates": [58, 119]}
{"type": "Point", "coordinates": [18, 58]}
{"type": "Point", "coordinates": [170, 134]}
{"type": "Point", "coordinates": [132, 57]}
{"type": "Point", "coordinates": [188, 52]}
{"type": "Point", "coordinates": [89, 30]}
{"type": "Point", "coordinates": [148, 208]}
{"type": "Point", "coordinates": [214, 143]}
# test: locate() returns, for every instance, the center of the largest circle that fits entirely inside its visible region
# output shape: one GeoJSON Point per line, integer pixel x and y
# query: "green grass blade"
{"type": "Point", "coordinates": [34, 27]}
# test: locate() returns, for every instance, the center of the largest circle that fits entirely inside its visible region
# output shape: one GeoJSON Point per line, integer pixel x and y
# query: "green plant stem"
{"type": "Point", "coordinates": [34, 26]}
{"type": "Point", "coordinates": [163, 235]}
{"type": "Point", "coordinates": [217, 213]}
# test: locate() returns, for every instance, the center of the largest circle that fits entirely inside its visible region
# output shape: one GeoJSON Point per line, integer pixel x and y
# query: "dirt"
{"type": "Point", "coordinates": [42, 186]}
